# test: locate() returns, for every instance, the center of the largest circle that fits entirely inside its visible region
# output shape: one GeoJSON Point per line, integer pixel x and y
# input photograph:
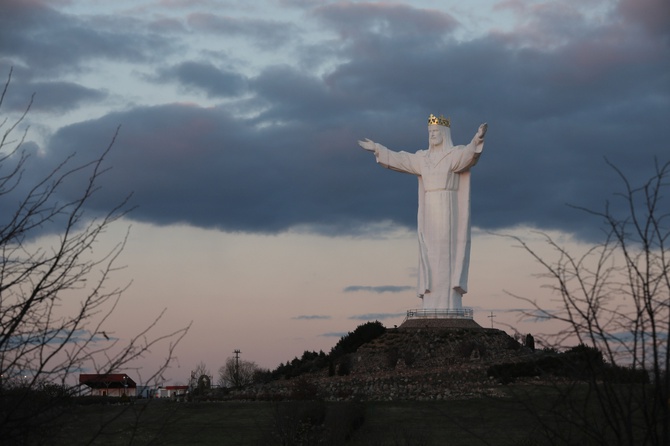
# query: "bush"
{"type": "Point", "coordinates": [512, 344]}
{"type": "Point", "coordinates": [311, 362]}
{"type": "Point", "coordinates": [353, 340]}
{"type": "Point", "coordinates": [342, 421]}
{"type": "Point", "coordinates": [344, 366]}
{"type": "Point", "coordinates": [530, 341]}
{"type": "Point", "coordinates": [409, 357]}
{"type": "Point", "coordinates": [392, 357]}
{"type": "Point", "coordinates": [466, 348]}
{"type": "Point", "coordinates": [315, 423]}
{"type": "Point", "coordinates": [303, 389]}
{"type": "Point", "coordinates": [581, 363]}
{"type": "Point", "coordinates": [625, 375]}
{"type": "Point", "coordinates": [297, 423]}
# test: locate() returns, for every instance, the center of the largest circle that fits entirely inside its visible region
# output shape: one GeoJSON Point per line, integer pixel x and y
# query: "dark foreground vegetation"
{"type": "Point", "coordinates": [499, 421]}
{"type": "Point", "coordinates": [503, 420]}
{"type": "Point", "coordinates": [579, 363]}
{"type": "Point", "coordinates": [539, 397]}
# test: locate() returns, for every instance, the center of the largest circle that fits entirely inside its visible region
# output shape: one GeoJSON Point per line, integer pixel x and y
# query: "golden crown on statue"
{"type": "Point", "coordinates": [432, 120]}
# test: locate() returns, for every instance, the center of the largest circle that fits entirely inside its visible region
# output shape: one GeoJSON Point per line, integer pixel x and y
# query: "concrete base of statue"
{"type": "Point", "coordinates": [440, 318]}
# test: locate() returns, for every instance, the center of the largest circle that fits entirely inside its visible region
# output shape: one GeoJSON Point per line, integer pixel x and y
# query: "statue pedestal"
{"type": "Point", "coordinates": [440, 319]}
{"type": "Point", "coordinates": [461, 313]}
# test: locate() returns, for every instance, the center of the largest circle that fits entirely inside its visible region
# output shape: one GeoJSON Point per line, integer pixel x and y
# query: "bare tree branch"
{"type": "Point", "coordinates": [56, 289]}
{"type": "Point", "coordinates": [615, 299]}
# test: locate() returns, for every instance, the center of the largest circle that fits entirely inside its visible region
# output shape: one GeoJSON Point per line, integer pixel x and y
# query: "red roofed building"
{"type": "Point", "coordinates": [109, 384]}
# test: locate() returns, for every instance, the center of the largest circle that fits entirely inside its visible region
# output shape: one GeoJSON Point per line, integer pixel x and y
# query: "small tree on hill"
{"type": "Point", "coordinates": [363, 334]}
{"type": "Point", "coordinates": [529, 341]}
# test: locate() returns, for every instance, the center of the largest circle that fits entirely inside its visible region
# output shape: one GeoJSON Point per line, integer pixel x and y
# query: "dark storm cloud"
{"type": "Point", "coordinates": [560, 94]}
{"type": "Point", "coordinates": [36, 35]}
{"type": "Point", "coordinates": [49, 96]}
{"type": "Point", "coordinates": [206, 77]}
{"type": "Point", "coordinates": [207, 168]}
{"type": "Point", "coordinates": [380, 21]}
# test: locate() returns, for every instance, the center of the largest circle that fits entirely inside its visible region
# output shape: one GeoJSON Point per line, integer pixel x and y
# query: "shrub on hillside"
{"type": "Point", "coordinates": [580, 363]}
{"type": "Point", "coordinates": [465, 349]}
{"type": "Point", "coordinates": [392, 357]}
{"type": "Point", "coordinates": [353, 340]}
{"type": "Point", "coordinates": [344, 365]}
{"type": "Point", "coordinates": [311, 362]}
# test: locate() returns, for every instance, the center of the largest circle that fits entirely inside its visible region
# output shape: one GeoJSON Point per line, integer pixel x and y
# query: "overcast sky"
{"type": "Point", "coordinates": [238, 128]}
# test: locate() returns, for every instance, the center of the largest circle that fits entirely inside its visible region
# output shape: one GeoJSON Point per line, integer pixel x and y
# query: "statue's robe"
{"type": "Point", "coordinates": [443, 218]}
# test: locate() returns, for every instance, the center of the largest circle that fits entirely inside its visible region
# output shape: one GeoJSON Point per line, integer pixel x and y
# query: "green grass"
{"type": "Point", "coordinates": [528, 416]}
{"type": "Point", "coordinates": [168, 423]}
{"type": "Point", "coordinates": [457, 422]}
{"type": "Point", "coordinates": [454, 423]}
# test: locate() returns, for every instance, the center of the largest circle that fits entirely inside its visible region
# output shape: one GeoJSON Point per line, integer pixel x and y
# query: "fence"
{"type": "Point", "coordinates": [461, 313]}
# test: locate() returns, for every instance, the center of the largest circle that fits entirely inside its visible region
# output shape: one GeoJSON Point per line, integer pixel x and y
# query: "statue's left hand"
{"type": "Point", "coordinates": [367, 144]}
{"type": "Point", "coordinates": [481, 131]}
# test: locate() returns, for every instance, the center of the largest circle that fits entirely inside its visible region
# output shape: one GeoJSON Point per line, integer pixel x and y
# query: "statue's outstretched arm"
{"type": "Point", "coordinates": [367, 144]}
{"type": "Point", "coordinates": [371, 146]}
{"type": "Point", "coordinates": [481, 132]}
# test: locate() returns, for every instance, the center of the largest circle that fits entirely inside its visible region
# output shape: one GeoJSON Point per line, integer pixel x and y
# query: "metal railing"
{"type": "Point", "coordinates": [462, 313]}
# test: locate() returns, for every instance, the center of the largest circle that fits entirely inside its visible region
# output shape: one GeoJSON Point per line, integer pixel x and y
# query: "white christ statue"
{"type": "Point", "coordinates": [443, 218]}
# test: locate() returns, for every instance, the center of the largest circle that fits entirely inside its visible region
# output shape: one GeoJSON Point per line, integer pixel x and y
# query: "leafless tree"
{"type": "Point", "coordinates": [56, 293]}
{"type": "Point", "coordinates": [201, 369]}
{"type": "Point", "coordinates": [201, 379]}
{"type": "Point", "coordinates": [237, 373]}
{"type": "Point", "coordinates": [614, 297]}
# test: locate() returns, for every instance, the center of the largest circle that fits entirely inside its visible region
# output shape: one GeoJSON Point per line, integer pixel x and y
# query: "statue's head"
{"type": "Point", "coordinates": [439, 132]}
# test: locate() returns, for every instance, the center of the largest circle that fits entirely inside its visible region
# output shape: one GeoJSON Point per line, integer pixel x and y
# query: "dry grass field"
{"type": "Point", "coordinates": [408, 423]}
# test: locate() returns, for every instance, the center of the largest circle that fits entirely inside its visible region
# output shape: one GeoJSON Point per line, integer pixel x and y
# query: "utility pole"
{"type": "Point", "coordinates": [237, 366]}
{"type": "Point", "coordinates": [491, 317]}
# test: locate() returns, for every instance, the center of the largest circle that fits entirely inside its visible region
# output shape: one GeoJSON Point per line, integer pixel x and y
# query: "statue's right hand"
{"type": "Point", "coordinates": [367, 144]}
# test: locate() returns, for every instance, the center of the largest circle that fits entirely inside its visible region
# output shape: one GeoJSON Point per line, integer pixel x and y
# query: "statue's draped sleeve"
{"type": "Point", "coordinates": [469, 157]}
{"type": "Point", "coordinates": [400, 161]}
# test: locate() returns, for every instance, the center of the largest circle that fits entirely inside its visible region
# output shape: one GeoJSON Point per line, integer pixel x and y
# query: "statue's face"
{"type": "Point", "coordinates": [435, 135]}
